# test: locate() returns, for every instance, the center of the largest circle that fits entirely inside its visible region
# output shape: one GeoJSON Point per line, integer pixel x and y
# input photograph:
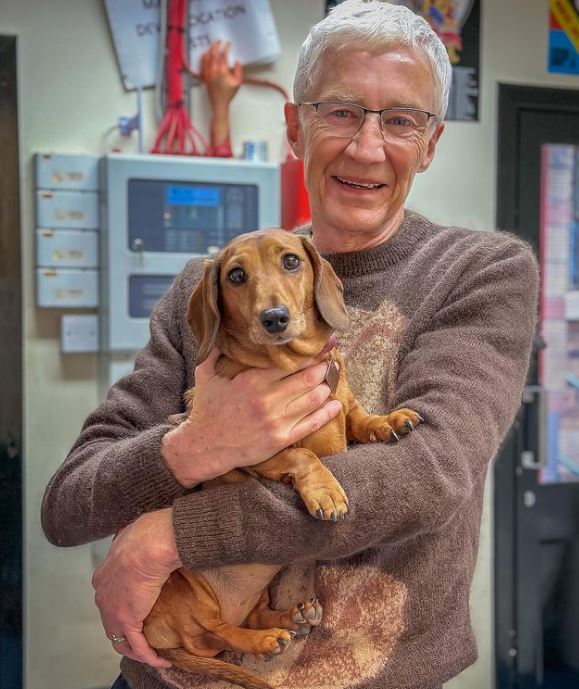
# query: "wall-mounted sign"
{"type": "Point", "coordinates": [564, 36]}
{"type": "Point", "coordinates": [136, 29]}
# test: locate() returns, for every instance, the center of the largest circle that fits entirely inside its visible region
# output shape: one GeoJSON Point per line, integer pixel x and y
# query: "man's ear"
{"type": "Point", "coordinates": [292, 126]}
{"type": "Point", "coordinates": [431, 148]}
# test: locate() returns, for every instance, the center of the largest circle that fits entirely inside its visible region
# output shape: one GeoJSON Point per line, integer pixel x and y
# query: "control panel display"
{"type": "Point", "coordinates": [145, 291]}
{"type": "Point", "coordinates": [192, 218]}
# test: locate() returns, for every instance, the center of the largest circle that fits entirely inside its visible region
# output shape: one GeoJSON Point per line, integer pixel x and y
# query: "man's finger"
{"type": "Point", "coordinates": [315, 421]}
{"type": "Point", "coordinates": [145, 654]}
{"type": "Point", "coordinates": [125, 651]}
{"type": "Point", "coordinates": [293, 387]}
{"type": "Point", "coordinates": [273, 375]}
{"type": "Point", "coordinates": [305, 404]}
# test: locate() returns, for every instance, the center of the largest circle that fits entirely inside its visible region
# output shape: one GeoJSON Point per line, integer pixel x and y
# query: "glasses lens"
{"type": "Point", "coordinates": [403, 122]}
{"type": "Point", "coordinates": [343, 118]}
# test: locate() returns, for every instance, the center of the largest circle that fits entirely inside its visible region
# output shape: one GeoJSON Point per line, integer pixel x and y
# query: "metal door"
{"type": "Point", "coordinates": [537, 473]}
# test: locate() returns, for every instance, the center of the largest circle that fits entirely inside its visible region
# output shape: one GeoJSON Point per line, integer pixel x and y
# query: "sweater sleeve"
{"type": "Point", "coordinates": [115, 472]}
{"type": "Point", "coordinates": [464, 374]}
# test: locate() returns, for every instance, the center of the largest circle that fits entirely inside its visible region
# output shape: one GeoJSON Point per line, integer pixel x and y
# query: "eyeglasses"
{"type": "Point", "coordinates": [346, 119]}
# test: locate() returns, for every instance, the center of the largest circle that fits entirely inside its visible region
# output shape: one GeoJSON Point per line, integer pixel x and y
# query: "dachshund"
{"type": "Point", "coordinates": [267, 299]}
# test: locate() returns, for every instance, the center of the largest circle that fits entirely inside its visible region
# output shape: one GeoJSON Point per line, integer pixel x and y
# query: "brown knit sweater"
{"type": "Point", "coordinates": [442, 323]}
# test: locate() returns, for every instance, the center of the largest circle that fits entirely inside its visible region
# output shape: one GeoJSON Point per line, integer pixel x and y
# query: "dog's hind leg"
{"type": "Point", "coordinates": [301, 618]}
{"type": "Point", "coordinates": [259, 642]}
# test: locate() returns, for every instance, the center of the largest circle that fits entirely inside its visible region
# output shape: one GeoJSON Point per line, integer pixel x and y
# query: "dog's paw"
{"type": "Point", "coordinates": [307, 615]}
{"type": "Point", "coordinates": [391, 427]}
{"type": "Point", "coordinates": [403, 421]}
{"type": "Point", "coordinates": [328, 502]}
{"type": "Point", "coordinates": [273, 642]}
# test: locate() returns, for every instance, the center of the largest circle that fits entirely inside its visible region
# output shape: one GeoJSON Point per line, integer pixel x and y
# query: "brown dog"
{"type": "Point", "coordinates": [268, 299]}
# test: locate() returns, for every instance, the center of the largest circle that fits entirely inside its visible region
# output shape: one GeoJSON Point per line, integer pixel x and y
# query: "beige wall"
{"type": "Point", "coordinates": [70, 95]}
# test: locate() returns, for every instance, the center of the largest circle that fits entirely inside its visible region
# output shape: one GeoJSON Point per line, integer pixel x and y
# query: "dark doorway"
{"type": "Point", "coordinates": [10, 378]}
{"type": "Point", "coordinates": [536, 484]}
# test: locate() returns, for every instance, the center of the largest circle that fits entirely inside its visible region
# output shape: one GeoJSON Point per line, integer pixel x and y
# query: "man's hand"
{"type": "Point", "coordinates": [128, 581]}
{"type": "Point", "coordinates": [246, 420]}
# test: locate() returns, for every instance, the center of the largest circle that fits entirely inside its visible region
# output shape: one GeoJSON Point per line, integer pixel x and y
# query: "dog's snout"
{"type": "Point", "coordinates": [276, 319]}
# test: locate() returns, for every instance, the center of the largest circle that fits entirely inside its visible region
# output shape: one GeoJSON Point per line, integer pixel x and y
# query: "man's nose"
{"type": "Point", "coordinates": [368, 143]}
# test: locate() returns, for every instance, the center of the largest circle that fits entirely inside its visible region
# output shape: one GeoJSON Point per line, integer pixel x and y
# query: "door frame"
{"type": "Point", "coordinates": [11, 326]}
{"type": "Point", "coordinates": [513, 101]}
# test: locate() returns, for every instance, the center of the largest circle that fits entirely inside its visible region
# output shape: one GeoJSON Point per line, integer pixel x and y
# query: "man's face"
{"type": "Point", "coordinates": [338, 170]}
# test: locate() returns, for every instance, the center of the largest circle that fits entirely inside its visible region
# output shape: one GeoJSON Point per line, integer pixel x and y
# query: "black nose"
{"type": "Point", "coordinates": [275, 320]}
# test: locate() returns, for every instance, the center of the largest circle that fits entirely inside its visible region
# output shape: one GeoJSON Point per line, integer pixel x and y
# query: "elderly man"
{"type": "Point", "coordinates": [442, 323]}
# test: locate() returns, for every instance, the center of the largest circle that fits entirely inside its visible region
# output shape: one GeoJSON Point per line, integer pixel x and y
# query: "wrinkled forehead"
{"type": "Point", "coordinates": [394, 75]}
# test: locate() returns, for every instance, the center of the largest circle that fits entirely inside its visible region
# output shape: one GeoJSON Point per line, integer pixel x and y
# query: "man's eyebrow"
{"type": "Point", "coordinates": [343, 96]}
{"type": "Point", "coordinates": [355, 100]}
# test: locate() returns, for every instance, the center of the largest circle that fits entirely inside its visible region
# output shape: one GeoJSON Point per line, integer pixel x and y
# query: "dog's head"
{"type": "Point", "coordinates": [266, 289]}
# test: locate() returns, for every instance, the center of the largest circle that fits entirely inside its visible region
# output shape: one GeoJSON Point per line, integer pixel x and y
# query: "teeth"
{"type": "Point", "coordinates": [358, 184]}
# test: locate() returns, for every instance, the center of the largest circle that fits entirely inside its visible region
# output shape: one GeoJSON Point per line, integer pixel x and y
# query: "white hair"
{"type": "Point", "coordinates": [373, 25]}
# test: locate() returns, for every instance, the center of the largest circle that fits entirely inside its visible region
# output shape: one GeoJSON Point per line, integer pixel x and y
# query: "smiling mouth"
{"type": "Point", "coordinates": [359, 185]}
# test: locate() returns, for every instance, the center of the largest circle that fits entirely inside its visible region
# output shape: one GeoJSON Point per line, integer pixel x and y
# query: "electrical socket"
{"type": "Point", "coordinates": [79, 333]}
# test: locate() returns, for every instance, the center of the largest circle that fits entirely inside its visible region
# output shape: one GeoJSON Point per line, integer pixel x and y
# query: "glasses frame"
{"type": "Point", "coordinates": [317, 103]}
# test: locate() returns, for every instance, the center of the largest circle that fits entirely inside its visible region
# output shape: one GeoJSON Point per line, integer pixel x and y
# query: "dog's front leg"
{"type": "Point", "coordinates": [368, 428]}
{"type": "Point", "coordinates": [323, 496]}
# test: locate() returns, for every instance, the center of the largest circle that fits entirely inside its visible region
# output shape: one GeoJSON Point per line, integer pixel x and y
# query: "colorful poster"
{"type": "Point", "coordinates": [564, 36]}
{"type": "Point", "coordinates": [457, 22]}
{"type": "Point", "coordinates": [559, 360]}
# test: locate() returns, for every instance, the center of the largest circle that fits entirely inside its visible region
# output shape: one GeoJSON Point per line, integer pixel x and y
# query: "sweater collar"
{"type": "Point", "coordinates": [413, 229]}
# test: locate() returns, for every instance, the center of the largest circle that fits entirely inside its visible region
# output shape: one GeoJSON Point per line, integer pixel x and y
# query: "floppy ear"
{"type": "Point", "coordinates": [203, 314]}
{"type": "Point", "coordinates": [328, 290]}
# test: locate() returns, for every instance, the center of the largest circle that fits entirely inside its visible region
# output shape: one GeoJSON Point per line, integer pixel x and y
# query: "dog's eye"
{"type": "Point", "coordinates": [237, 276]}
{"type": "Point", "coordinates": [291, 262]}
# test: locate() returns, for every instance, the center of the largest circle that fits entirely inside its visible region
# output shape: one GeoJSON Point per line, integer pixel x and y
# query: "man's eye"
{"type": "Point", "coordinates": [291, 262]}
{"type": "Point", "coordinates": [400, 120]}
{"type": "Point", "coordinates": [237, 276]}
{"type": "Point", "coordinates": [343, 114]}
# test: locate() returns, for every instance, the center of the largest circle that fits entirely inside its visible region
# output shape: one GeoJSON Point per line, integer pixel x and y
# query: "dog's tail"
{"type": "Point", "coordinates": [214, 668]}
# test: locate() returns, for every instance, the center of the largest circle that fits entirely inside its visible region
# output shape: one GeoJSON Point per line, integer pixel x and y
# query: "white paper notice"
{"type": "Point", "coordinates": [248, 25]}
{"type": "Point", "coordinates": [135, 28]}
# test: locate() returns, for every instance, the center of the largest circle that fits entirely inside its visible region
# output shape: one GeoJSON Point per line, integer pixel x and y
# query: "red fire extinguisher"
{"type": "Point", "coordinates": [295, 206]}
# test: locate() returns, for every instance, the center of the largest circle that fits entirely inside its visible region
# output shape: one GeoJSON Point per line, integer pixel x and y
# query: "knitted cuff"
{"type": "Point", "coordinates": [209, 529]}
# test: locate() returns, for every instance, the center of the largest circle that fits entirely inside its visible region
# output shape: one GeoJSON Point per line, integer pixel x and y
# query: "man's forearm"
{"type": "Point", "coordinates": [106, 484]}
